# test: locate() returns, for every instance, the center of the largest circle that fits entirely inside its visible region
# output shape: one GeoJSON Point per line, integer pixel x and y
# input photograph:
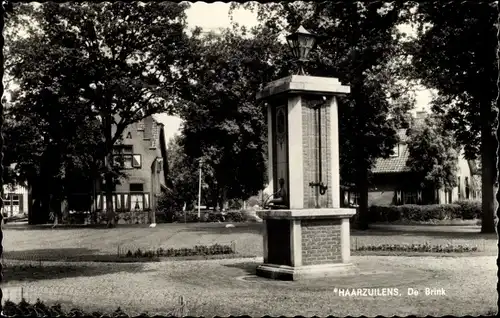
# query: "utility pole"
{"type": "Point", "coordinates": [199, 190]}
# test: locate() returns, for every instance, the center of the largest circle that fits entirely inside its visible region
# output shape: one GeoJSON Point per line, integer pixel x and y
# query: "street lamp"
{"type": "Point", "coordinates": [199, 188]}
{"type": "Point", "coordinates": [301, 42]}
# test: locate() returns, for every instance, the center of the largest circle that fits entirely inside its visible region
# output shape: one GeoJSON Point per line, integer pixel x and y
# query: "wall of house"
{"type": "Point", "coordinates": [384, 186]}
{"type": "Point", "coordinates": [141, 142]}
{"type": "Point", "coordinates": [382, 189]}
{"type": "Point", "coordinates": [459, 192]}
{"type": "Point", "coordinates": [15, 200]}
{"type": "Point", "coordinates": [144, 138]}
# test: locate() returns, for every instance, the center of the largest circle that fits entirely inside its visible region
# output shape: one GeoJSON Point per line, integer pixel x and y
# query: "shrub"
{"type": "Point", "coordinates": [426, 248]}
{"type": "Point", "coordinates": [461, 210]}
{"type": "Point", "coordinates": [198, 250]}
{"type": "Point", "coordinates": [39, 309]}
{"type": "Point", "coordinates": [236, 216]}
{"type": "Point", "coordinates": [191, 217]}
{"type": "Point", "coordinates": [470, 209]}
{"type": "Point", "coordinates": [210, 216]}
{"type": "Point", "coordinates": [161, 217]}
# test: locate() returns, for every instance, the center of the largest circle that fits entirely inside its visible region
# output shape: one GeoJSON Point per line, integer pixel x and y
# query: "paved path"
{"type": "Point", "coordinates": [227, 287]}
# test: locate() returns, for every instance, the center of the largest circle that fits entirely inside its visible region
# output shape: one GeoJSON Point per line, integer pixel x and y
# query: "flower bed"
{"type": "Point", "coordinates": [199, 250]}
{"type": "Point", "coordinates": [419, 248]}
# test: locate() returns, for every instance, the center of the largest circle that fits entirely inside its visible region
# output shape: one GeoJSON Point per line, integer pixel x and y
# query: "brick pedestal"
{"type": "Point", "coordinates": [306, 243]}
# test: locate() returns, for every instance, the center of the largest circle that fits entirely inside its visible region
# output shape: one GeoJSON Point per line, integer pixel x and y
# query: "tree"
{"type": "Point", "coordinates": [359, 44]}
{"type": "Point", "coordinates": [183, 172]}
{"type": "Point", "coordinates": [223, 125]}
{"type": "Point", "coordinates": [120, 59]}
{"type": "Point", "coordinates": [454, 53]}
{"type": "Point", "coordinates": [49, 138]}
{"type": "Point", "coordinates": [433, 155]}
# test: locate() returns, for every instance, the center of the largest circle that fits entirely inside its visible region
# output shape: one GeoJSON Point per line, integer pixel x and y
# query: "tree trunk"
{"type": "Point", "coordinates": [488, 179]}
{"type": "Point", "coordinates": [64, 210]}
{"type": "Point", "coordinates": [488, 167]}
{"type": "Point", "coordinates": [110, 214]}
{"type": "Point", "coordinates": [362, 188]}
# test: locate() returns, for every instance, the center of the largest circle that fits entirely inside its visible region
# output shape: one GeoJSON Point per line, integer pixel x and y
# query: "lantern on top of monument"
{"type": "Point", "coordinates": [301, 43]}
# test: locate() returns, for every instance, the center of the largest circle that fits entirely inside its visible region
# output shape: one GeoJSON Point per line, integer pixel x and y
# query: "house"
{"type": "Point", "coordinates": [15, 200]}
{"type": "Point", "coordinates": [142, 154]}
{"type": "Point", "coordinates": [392, 182]}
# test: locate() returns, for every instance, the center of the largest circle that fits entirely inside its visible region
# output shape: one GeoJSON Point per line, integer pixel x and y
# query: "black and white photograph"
{"type": "Point", "coordinates": [288, 158]}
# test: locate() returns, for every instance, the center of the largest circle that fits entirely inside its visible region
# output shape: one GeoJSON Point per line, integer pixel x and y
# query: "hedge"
{"type": "Point", "coordinates": [206, 216]}
{"type": "Point", "coordinates": [40, 309]}
{"type": "Point", "coordinates": [466, 210]}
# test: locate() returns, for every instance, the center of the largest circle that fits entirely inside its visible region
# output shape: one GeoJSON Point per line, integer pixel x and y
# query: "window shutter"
{"type": "Point", "coordinates": [98, 202]}
{"type": "Point", "coordinates": [146, 201]}
{"type": "Point", "coordinates": [21, 206]}
{"type": "Point", "coordinates": [126, 203]}
{"type": "Point", "coordinates": [118, 202]}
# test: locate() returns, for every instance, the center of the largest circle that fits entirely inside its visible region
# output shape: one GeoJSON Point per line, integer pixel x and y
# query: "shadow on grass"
{"type": "Point", "coordinates": [220, 228]}
{"type": "Point", "coordinates": [42, 271]}
{"type": "Point", "coordinates": [50, 227]}
{"type": "Point", "coordinates": [443, 232]}
{"type": "Point", "coordinates": [249, 267]}
{"type": "Point", "coordinates": [70, 255]}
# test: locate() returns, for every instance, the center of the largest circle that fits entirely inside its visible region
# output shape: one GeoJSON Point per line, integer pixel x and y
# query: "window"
{"type": "Point", "coordinates": [137, 161]}
{"type": "Point", "coordinates": [127, 161]}
{"type": "Point", "coordinates": [125, 158]}
{"type": "Point", "coordinates": [459, 189]}
{"type": "Point", "coordinates": [467, 188]}
{"type": "Point", "coordinates": [410, 197]}
{"type": "Point", "coordinates": [353, 198]}
{"type": "Point", "coordinates": [398, 199]}
{"type": "Point", "coordinates": [136, 187]}
{"type": "Point", "coordinates": [396, 151]}
{"type": "Point", "coordinates": [137, 202]}
{"type": "Point", "coordinates": [346, 198]}
{"type": "Point", "coordinates": [125, 202]}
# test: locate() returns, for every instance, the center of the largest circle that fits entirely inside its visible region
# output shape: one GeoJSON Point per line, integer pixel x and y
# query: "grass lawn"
{"type": "Point", "coordinates": [228, 287]}
{"type": "Point", "coordinates": [45, 243]}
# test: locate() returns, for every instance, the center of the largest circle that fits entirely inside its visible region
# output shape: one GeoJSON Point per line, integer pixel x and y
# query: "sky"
{"type": "Point", "coordinates": [209, 16]}
{"type": "Point", "coordinates": [212, 16]}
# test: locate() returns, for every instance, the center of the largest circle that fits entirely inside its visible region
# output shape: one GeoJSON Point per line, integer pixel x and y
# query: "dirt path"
{"type": "Point", "coordinates": [226, 287]}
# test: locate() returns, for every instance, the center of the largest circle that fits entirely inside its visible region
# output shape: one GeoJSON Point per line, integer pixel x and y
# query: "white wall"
{"type": "Point", "coordinates": [463, 172]}
{"type": "Point", "coordinates": [21, 208]}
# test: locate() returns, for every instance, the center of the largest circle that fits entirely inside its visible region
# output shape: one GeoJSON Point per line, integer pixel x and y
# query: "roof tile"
{"type": "Point", "coordinates": [394, 164]}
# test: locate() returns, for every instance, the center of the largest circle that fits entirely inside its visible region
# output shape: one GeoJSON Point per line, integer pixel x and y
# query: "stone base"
{"type": "Point", "coordinates": [282, 272]}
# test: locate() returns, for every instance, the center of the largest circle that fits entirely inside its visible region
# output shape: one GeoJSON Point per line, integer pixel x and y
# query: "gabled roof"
{"type": "Point", "coordinates": [394, 164]}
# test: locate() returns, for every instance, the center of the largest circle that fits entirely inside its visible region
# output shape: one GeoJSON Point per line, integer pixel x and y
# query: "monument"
{"type": "Point", "coordinates": [306, 231]}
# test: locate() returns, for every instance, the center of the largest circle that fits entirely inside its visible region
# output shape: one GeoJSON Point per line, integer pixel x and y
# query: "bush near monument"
{"type": "Point", "coordinates": [40, 309]}
{"type": "Point", "coordinates": [427, 247]}
{"type": "Point", "coordinates": [206, 217]}
{"type": "Point", "coordinates": [466, 210]}
{"type": "Point", "coordinates": [198, 250]}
